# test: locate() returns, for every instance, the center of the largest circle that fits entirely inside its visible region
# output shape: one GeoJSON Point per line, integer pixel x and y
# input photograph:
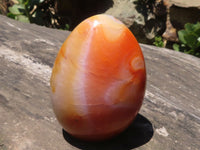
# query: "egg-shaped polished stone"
{"type": "Point", "coordinates": [98, 79]}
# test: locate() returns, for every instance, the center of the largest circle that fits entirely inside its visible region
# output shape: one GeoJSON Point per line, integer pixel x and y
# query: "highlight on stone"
{"type": "Point", "coordinates": [98, 79]}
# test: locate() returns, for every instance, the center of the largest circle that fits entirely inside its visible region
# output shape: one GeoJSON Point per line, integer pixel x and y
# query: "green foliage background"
{"type": "Point", "coordinates": [189, 39]}
{"type": "Point", "coordinates": [40, 12]}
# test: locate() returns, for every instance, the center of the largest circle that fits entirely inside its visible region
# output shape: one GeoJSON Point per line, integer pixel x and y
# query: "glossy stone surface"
{"type": "Point", "coordinates": [98, 79]}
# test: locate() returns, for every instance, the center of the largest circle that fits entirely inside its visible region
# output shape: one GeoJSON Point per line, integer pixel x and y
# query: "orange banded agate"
{"type": "Point", "coordinates": [98, 79]}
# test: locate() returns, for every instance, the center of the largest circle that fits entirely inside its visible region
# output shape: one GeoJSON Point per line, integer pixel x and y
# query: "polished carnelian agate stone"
{"type": "Point", "coordinates": [98, 79]}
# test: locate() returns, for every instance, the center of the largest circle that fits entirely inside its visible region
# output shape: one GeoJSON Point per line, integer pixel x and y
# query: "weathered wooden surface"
{"type": "Point", "coordinates": [169, 118]}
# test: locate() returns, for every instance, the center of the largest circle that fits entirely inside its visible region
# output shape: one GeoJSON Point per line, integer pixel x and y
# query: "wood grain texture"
{"type": "Point", "coordinates": [169, 118]}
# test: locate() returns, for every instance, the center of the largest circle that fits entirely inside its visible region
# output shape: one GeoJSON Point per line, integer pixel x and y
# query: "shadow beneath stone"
{"type": "Point", "coordinates": [137, 134]}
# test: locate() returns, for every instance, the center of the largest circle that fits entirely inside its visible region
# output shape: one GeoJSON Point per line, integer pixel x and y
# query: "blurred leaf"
{"type": "Point", "coordinates": [10, 15]}
{"type": "Point", "coordinates": [191, 51]}
{"type": "Point", "coordinates": [17, 9]}
{"type": "Point", "coordinates": [191, 40]}
{"type": "Point", "coordinates": [181, 35]}
{"type": "Point", "coordinates": [67, 27]}
{"type": "Point", "coordinates": [197, 32]}
{"type": "Point", "coordinates": [198, 54]}
{"type": "Point", "coordinates": [23, 18]}
{"type": "Point", "coordinates": [176, 47]}
{"type": "Point", "coordinates": [196, 26]}
{"type": "Point", "coordinates": [158, 41]}
{"type": "Point", "coordinates": [188, 27]}
{"type": "Point", "coordinates": [20, 1]}
{"type": "Point", "coordinates": [197, 29]}
{"type": "Point", "coordinates": [198, 44]}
